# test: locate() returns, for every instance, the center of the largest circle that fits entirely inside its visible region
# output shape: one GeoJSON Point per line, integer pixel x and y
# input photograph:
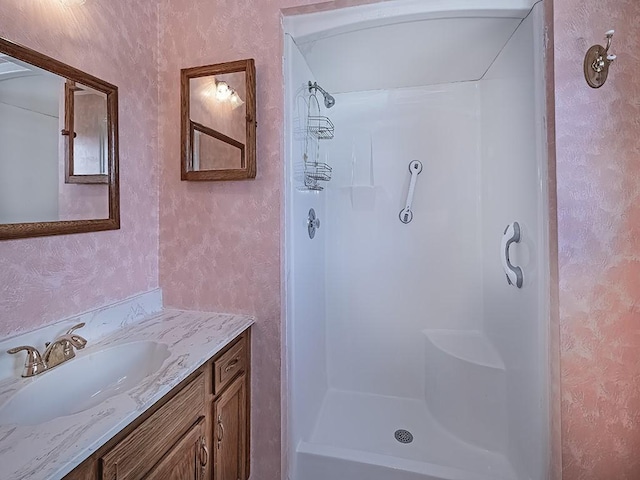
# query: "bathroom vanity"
{"type": "Point", "coordinates": [199, 430]}
{"type": "Point", "coordinates": [187, 416]}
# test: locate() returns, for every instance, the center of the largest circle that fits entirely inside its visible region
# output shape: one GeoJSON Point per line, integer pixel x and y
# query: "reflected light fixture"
{"type": "Point", "coordinates": [235, 100]}
{"type": "Point", "coordinates": [223, 92]}
{"type": "Point", "coordinates": [72, 3]}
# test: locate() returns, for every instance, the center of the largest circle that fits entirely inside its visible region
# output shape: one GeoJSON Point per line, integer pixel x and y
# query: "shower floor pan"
{"type": "Point", "coordinates": [354, 440]}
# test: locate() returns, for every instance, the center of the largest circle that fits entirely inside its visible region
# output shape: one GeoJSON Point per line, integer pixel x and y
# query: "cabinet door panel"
{"type": "Point", "coordinates": [230, 432]}
{"type": "Point", "coordinates": [186, 460]}
{"type": "Point", "coordinates": [132, 457]}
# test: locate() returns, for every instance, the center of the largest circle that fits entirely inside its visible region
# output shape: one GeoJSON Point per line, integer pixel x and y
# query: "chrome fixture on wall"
{"type": "Point", "coordinates": [319, 127]}
{"type": "Point", "coordinates": [313, 223]}
{"type": "Point", "coordinates": [597, 62]}
{"type": "Point", "coordinates": [329, 101]}
{"type": "Point", "coordinates": [406, 214]}
{"type": "Point", "coordinates": [512, 234]}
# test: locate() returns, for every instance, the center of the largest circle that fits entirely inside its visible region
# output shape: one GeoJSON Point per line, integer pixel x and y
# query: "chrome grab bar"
{"type": "Point", "coordinates": [406, 215]}
{"type": "Point", "coordinates": [512, 234]}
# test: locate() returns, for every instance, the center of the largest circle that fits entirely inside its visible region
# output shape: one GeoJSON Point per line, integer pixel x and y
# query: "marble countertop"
{"type": "Point", "coordinates": [52, 449]}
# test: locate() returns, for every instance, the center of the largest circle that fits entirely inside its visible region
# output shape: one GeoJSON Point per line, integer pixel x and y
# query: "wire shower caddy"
{"type": "Point", "coordinates": [319, 127]}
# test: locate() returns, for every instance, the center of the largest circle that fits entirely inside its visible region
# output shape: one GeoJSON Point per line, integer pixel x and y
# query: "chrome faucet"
{"type": "Point", "coordinates": [56, 352]}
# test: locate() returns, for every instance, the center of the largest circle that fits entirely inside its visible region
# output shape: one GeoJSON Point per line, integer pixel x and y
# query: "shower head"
{"type": "Point", "coordinates": [329, 100]}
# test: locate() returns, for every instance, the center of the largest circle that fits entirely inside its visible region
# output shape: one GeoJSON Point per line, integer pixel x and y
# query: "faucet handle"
{"type": "Point", "coordinates": [75, 327]}
{"type": "Point", "coordinates": [33, 364]}
{"type": "Point", "coordinates": [28, 349]}
{"type": "Point", "coordinates": [75, 339]}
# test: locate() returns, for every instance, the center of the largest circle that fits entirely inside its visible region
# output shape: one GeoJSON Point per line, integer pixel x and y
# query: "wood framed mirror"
{"type": "Point", "coordinates": [58, 147]}
{"type": "Point", "coordinates": [218, 121]}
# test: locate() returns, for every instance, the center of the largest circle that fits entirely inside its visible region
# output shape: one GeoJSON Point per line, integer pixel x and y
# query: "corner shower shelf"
{"type": "Point", "coordinates": [452, 355]}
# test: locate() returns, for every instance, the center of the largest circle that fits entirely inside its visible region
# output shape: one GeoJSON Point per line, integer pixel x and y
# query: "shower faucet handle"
{"type": "Point", "coordinates": [313, 223]}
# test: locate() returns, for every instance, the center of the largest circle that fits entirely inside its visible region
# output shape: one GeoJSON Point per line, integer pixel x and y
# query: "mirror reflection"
{"type": "Point", "coordinates": [52, 133]}
{"type": "Point", "coordinates": [86, 111]}
{"type": "Point", "coordinates": [218, 121]}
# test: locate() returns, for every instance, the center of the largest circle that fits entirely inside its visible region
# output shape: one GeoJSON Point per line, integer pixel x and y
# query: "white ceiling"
{"type": "Point", "coordinates": [405, 43]}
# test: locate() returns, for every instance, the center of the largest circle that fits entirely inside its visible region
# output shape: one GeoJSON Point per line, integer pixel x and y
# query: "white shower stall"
{"type": "Point", "coordinates": [410, 355]}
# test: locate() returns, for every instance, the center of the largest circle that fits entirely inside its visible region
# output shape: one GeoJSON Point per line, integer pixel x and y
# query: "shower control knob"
{"type": "Point", "coordinates": [313, 223]}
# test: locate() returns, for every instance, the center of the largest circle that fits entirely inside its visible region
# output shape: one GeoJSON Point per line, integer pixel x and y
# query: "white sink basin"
{"type": "Point", "coordinates": [83, 382]}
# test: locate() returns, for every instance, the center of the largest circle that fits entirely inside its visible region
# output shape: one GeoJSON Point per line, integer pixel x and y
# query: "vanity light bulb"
{"type": "Point", "coordinates": [223, 91]}
{"type": "Point", "coordinates": [73, 3]}
{"type": "Point", "coordinates": [235, 100]}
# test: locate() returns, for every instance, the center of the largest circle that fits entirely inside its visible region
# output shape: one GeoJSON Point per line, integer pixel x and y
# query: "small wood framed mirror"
{"type": "Point", "coordinates": [219, 121]}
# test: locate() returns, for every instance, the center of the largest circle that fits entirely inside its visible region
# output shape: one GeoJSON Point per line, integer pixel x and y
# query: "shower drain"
{"type": "Point", "coordinates": [404, 436]}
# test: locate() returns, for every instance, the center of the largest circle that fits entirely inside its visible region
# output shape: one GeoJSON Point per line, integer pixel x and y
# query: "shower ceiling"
{"type": "Point", "coordinates": [371, 53]}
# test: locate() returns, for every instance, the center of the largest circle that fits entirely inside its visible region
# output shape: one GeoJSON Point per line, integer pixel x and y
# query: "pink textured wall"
{"type": "Point", "coordinates": [220, 242]}
{"type": "Point", "coordinates": [598, 141]}
{"type": "Point", "coordinates": [555, 390]}
{"type": "Point", "coordinates": [46, 279]}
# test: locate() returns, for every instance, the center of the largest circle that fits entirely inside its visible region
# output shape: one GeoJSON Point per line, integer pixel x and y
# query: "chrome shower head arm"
{"type": "Point", "coordinates": [329, 101]}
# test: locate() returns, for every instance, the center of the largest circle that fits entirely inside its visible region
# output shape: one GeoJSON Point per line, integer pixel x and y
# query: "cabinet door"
{"type": "Point", "coordinates": [186, 460]}
{"type": "Point", "coordinates": [230, 432]}
{"type": "Point", "coordinates": [133, 456]}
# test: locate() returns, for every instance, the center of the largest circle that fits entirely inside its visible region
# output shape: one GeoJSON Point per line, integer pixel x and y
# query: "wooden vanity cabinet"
{"type": "Point", "coordinates": [230, 411]}
{"type": "Point", "coordinates": [158, 436]}
{"type": "Point", "coordinates": [198, 431]}
{"type": "Point", "coordinates": [187, 460]}
{"type": "Point", "coordinates": [230, 438]}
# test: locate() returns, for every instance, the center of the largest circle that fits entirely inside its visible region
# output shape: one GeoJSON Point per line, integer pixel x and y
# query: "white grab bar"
{"type": "Point", "coordinates": [406, 215]}
{"type": "Point", "coordinates": [514, 273]}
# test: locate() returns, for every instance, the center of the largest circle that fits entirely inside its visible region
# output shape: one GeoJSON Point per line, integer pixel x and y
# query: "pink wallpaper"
{"type": "Point", "coordinates": [598, 164]}
{"type": "Point", "coordinates": [46, 279]}
{"type": "Point", "coordinates": [555, 458]}
{"type": "Point", "coordinates": [220, 242]}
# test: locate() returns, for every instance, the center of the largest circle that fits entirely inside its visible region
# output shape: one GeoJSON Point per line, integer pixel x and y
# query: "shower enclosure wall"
{"type": "Point", "coordinates": [414, 327]}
